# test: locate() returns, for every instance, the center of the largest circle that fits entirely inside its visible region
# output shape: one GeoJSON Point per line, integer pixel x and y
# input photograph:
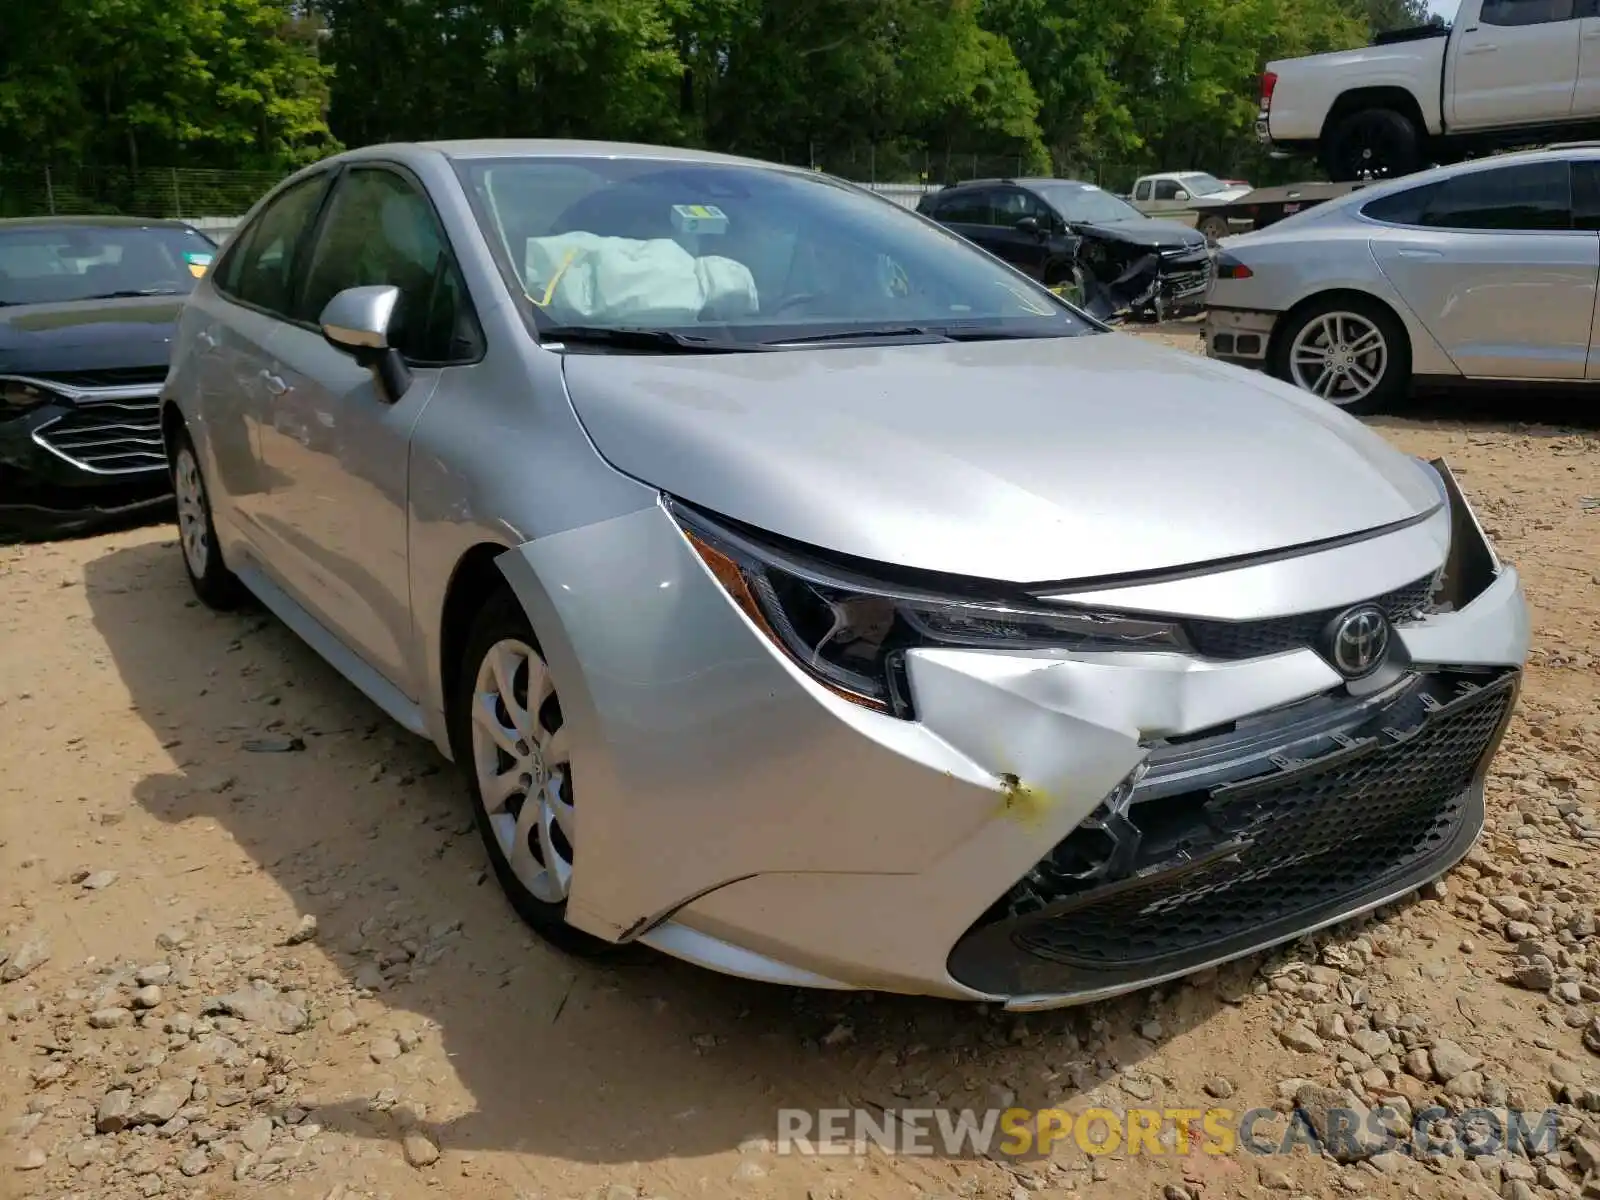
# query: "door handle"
{"type": "Point", "coordinates": [1589, 35]}
{"type": "Point", "coordinates": [275, 384]}
{"type": "Point", "coordinates": [1481, 48]}
{"type": "Point", "coordinates": [1413, 252]}
{"type": "Point", "coordinates": [205, 339]}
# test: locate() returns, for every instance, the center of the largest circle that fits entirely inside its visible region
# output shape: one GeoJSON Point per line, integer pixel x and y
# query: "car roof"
{"type": "Point", "coordinates": [1387, 187]}
{"type": "Point", "coordinates": [1014, 181]}
{"type": "Point", "coordinates": [93, 222]}
{"type": "Point", "coordinates": [486, 148]}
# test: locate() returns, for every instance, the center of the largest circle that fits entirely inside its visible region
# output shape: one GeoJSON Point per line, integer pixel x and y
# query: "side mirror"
{"type": "Point", "coordinates": [357, 321]}
{"type": "Point", "coordinates": [1028, 225]}
{"type": "Point", "coordinates": [1180, 194]}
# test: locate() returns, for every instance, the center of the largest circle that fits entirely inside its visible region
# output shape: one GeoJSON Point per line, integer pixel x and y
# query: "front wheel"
{"type": "Point", "coordinates": [1214, 228]}
{"type": "Point", "coordinates": [1351, 352]}
{"type": "Point", "coordinates": [509, 733]}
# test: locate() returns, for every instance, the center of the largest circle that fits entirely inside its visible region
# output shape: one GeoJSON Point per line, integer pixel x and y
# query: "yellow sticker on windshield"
{"type": "Point", "coordinates": [699, 218]}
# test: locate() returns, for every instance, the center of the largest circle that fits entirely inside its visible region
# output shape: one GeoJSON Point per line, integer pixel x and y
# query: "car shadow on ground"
{"type": "Point", "coordinates": [1536, 410]}
{"type": "Point", "coordinates": [369, 831]}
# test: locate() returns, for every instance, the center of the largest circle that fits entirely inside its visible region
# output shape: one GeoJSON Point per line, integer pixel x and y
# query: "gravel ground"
{"type": "Point", "coordinates": [248, 945]}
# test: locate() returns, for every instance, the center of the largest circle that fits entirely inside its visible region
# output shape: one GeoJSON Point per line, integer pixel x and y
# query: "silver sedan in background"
{"type": "Point", "coordinates": [807, 594]}
{"type": "Point", "coordinates": [1486, 270]}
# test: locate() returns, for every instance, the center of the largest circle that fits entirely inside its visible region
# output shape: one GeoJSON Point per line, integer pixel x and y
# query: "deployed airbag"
{"type": "Point", "coordinates": [585, 276]}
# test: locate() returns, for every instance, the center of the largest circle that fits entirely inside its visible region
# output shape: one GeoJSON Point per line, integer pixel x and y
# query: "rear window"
{"type": "Point", "coordinates": [1400, 208]}
{"type": "Point", "coordinates": [63, 263]}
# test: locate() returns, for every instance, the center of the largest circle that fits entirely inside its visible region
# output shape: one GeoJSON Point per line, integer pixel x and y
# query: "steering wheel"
{"type": "Point", "coordinates": [793, 301]}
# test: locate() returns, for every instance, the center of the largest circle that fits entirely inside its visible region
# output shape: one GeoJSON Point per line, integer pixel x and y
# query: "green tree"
{"type": "Point", "coordinates": [223, 83]}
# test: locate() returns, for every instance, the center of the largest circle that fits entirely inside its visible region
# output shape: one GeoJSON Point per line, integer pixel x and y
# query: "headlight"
{"type": "Point", "coordinates": [19, 395]}
{"type": "Point", "coordinates": [850, 633]}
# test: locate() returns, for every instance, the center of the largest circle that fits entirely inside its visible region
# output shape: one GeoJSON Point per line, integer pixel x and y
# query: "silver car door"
{"type": "Point", "coordinates": [341, 446]}
{"type": "Point", "coordinates": [233, 334]}
{"type": "Point", "coordinates": [1495, 270]}
{"type": "Point", "coordinates": [1586, 217]}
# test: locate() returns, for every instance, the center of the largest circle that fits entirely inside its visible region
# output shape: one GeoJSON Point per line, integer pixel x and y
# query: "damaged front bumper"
{"type": "Point", "coordinates": [1157, 285]}
{"type": "Point", "coordinates": [1197, 806]}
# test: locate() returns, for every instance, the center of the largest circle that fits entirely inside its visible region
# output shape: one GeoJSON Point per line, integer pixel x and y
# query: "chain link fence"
{"type": "Point", "coordinates": [187, 193]}
{"type": "Point", "coordinates": [895, 163]}
{"type": "Point", "coordinates": [214, 199]}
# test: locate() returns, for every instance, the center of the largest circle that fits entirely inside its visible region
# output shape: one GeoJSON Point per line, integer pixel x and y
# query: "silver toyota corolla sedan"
{"type": "Point", "coordinates": [809, 595]}
{"type": "Point", "coordinates": [1487, 270]}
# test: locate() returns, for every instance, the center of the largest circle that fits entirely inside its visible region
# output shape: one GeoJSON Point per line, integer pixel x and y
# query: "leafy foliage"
{"type": "Point", "coordinates": [272, 83]}
{"type": "Point", "coordinates": [216, 83]}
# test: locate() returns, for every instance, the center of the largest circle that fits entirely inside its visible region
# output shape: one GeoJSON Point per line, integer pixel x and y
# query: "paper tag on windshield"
{"type": "Point", "coordinates": [699, 218]}
{"type": "Point", "coordinates": [197, 262]}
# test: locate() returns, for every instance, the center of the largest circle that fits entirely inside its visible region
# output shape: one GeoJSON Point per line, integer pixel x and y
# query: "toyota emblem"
{"type": "Point", "coordinates": [1359, 640]}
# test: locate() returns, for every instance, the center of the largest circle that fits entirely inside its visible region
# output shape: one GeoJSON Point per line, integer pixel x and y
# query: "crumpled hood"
{"type": "Point", "coordinates": [1038, 460]}
{"type": "Point", "coordinates": [1148, 232]}
{"type": "Point", "coordinates": [88, 334]}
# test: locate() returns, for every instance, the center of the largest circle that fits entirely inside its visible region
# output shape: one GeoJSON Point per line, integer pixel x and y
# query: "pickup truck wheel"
{"type": "Point", "coordinates": [1215, 228]}
{"type": "Point", "coordinates": [1348, 351]}
{"type": "Point", "coordinates": [1375, 143]}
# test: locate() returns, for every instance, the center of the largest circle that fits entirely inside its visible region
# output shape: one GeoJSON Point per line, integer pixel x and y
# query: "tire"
{"type": "Point", "coordinates": [1372, 143]}
{"type": "Point", "coordinates": [216, 586]}
{"type": "Point", "coordinates": [502, 652]}
{"type": "Point", "coordinates": [1342, 326]}
{"type": "Point", "coordinates": [1214, 228]}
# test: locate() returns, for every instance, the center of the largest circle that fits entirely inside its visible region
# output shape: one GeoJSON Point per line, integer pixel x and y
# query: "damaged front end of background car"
{"type": "Point", "coordinates": [1119, 282]}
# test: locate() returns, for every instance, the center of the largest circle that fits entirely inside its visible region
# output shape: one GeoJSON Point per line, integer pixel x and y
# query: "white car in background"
{"type": "Point", "coordinates": [1185, 196]}
{"type": "Point", "coordinates": [1485, 270]}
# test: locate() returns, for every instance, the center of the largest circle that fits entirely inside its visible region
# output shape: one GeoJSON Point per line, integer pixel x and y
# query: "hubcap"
{"type": "Point", "coordinates": [519, 750]}
{"type": "Point", "coordinates": [1340, 357]}
{"type": "Point", "coordinates": [191, 494]}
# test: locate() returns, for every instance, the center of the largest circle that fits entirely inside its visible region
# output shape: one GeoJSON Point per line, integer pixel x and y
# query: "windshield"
{"type": "Point", "coordinates": [742, 254]}
{"type": "Point", "coordinates": [1085, 204]}
{"type": "Point", "coordinates": [57, 264]}
{"type": "Point", "coordinates": [1201, 184]}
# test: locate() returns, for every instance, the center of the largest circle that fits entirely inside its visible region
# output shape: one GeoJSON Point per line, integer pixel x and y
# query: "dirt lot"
{"type": "Point", "coordinates": [250, 948]}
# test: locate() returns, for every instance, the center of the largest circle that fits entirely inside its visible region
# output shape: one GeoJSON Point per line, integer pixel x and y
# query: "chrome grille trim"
{"type": "Point", "coordinates": [108, 431]}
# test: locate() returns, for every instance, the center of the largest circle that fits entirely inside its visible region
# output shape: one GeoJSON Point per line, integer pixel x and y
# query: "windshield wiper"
{"type": "Point", "coordinates": [135, 293]}
{"type": "Point", "coordinates": [861, 335]}
{"type": "Point", "coordinates": [1004, 335]}
{"type": "Point", "coordinates": [627, 338]}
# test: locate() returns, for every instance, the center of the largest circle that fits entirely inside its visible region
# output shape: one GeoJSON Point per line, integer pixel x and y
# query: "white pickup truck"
{"type": "Point", "coordinates": [1504, 73]}
{"type": "Point", "coordinates": [1185, 196]}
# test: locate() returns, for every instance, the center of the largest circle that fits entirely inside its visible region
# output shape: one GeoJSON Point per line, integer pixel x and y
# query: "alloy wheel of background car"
{"type": "Point", "coordinates": [1351, 354]}
{"type": "Point", "coordinates": [509, 733]}
{"type": "Point", "coordinates": [215, 585]}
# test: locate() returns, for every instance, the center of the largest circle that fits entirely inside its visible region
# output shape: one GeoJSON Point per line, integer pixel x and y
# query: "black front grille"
{"type": "Point", "coordinates": [1165, 884]}
{"type": "Point", "coordinates": [109, 437]}
{"type": "Point", "coordinates": [1182, 277]}
{"type": "Point", "coordinates": [1255, 639]}
{"type": "Point", "coordinates": [108, 377]}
